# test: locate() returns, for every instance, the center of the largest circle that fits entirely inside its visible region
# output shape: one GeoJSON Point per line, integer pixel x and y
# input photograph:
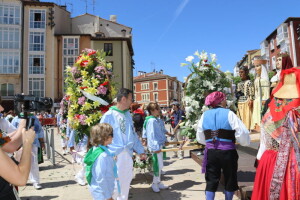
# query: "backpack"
{"type": "Point", "coordinates": [138, 121]}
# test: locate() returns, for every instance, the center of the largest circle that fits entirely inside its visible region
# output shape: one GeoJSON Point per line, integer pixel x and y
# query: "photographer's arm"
{"type": "Point", "coordinates": [16, 138]}
{"type": "Point", "coordinates": [18, 174]}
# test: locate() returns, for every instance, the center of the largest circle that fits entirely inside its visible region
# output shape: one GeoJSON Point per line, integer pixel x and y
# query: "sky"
{"type": "Point", "coordinates": [165, 32]}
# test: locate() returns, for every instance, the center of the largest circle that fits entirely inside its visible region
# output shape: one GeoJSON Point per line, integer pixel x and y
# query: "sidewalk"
{"type": "Point", "coordinates": [183, 176]}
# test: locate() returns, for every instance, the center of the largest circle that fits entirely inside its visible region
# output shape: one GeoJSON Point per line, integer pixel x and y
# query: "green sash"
{"type": "Point", "coordinates": [118, 110]}
{"type": "Point", "coordinates": [89, 160]}
{"type": "Point", "coordinates": [155, 165]}
{"type": "Point", "coordinates": [147, 119]}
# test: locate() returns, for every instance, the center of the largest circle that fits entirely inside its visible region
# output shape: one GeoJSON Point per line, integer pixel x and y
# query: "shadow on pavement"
{"type": "Point", "coordinates": [39, 198]}
{"type": "Point", "coordinates": [58, 184]}
{"type": "Point", "coordinates": [41, 168]}
{"type": "Point", "coordinates": [167, 162]}
{"type": "Point", "coordinates": [148, 194]}
{"type": "Point", "coordinates": [179, 171]}
{"type": "Point", "coordinates": [245, 176]}
{"type": "Point", "coordinates": [184, 185]}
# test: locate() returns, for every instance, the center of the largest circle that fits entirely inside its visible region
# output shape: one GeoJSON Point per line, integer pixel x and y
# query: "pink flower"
{"type": "Point", "coordinates": [99, 77]}
{"type": "Point", "coordinates": [81, 100]}
{"type": "Point", "coordinates": [102, 90]}
{"type": "Point", "coordinates": [82, 119]}
{"type": "Point", "coordinates": [75, 71]}
{"type": "Point", "coordinates": [78, 80]}
{"type": "Point", "coordinates": [98, 69]}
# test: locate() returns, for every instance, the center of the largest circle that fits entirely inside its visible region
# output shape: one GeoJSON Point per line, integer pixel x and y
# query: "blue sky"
{"type": "Point", "coordinates": [165, 32]}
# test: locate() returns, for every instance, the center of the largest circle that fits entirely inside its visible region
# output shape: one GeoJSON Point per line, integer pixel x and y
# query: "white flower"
{"type": "Point", "coordinates": [213, 57]}
{"type": "Point", "coordinates": [204, 108]}
{"type": "Point", "coordinates": [218, 66]}
{"type": "Point", "coordinates": [184, 78]}
{"type": "Point", "coordinates": [195, 126]}
{"type": "Point", "coordinates": [229, 103]}
{"type": "Point", "coordinates": [189, 58]}
{"type": "Point", "coordinates": [183, 64]}
{"type": "Point", "coordinates": [197, 54]}
{"type": "Point", "coordinates": [203, 55]}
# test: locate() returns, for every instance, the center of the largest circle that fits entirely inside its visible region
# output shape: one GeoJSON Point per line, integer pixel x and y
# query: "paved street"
{"type": "Point", "coordinates": [183, 177]}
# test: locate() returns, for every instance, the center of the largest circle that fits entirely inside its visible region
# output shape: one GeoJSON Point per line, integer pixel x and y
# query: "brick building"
{"type": "Point", "coordinates": [156, 87]}
{"type": "Point", "coordinates": [283, 39]}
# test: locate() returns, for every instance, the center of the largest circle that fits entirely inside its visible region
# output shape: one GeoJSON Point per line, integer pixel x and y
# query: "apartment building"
{"type": "Point", "coordinates": [39, 39]}
{"type": "Point", "coordinates": [156, 87]}
{"type": "Point", "coordinates": [283, 39]}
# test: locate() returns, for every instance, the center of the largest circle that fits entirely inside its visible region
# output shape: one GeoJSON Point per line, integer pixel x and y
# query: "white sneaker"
{"type": "Point", "coordinates": [180, 157]}
{"type": "Point", "coordinates": [155, 187]}
{"type": "Point", "coordinates": [162, 172]}
{"type": "Point", "coordinates": [37, 186]}
{"type": "Point", "coordinates": [162, 186]}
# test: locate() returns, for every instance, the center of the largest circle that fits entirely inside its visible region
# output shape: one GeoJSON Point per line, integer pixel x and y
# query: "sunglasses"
{"type": "Point", "coordinates": [112, 135]}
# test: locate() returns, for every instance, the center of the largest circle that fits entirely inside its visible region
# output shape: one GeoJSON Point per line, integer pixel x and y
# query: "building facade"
{"type": "Point", "coordinates": [156, 87]}
{"type": "Point", "coordinates": [246, 61]}
{"type": "Point", "coordinates": [39, 39]}
{"type": "Point", "coordinates": [283, 39]}
{"type": "Point", "coordinates": [10, 49]}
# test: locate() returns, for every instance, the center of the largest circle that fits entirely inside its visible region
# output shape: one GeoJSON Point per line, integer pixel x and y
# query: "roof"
{"type": "Point", "coordinates": [152, 76]}
{"type": "Point", "coordinates": [103, 19]}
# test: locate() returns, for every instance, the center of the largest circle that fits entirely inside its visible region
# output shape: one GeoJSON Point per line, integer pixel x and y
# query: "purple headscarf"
{"type": "Point", "coordinates": [213, 99]}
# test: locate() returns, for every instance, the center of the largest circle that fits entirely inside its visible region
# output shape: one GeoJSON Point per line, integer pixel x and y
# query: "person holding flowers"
{"type": "Point", "coordinates": [218, 129]}
{"type": "Point", "coordinates": [125, 139]}
{"type": "Point", "coordinates": [152, 130]}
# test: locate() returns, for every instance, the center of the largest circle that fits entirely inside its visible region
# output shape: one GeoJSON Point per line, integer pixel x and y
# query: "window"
{"type": "Point", "coordinates": [9, 38]}
{"type": "Point", "coordinates": [71, 46]}
{"type": "Point", "coordinates": [134, 96]}
{"type": "Point", "coordinates": [155, 96]}
{"type": "Point", "coordinates": [133, 87]}
{"type": "Point", "coordinates": [145, 86]}
{"type": "Point", "coordinates": [36, 64]}
{"type": "Point", "coordinates": [155, 86]}
{"type": "Point", "coordinates": [284, 48]}
{"type": "Point", "coordinates": [37, 87]}
{"type": "Point", "coordinates": [282, 33]}
{"type": "Point", "coordinates": [273, 62]}
{"type": "Point", "coordinates": [7, 89]}
{"type": "Point", "coordinates": [108, 49]}
{"type": "Point", "coordinates": [146, 97]}
{"type": "Point", "coordinates": [272, 44]}
{"type": "Point", "coordinates": [9, 62]}
{"type": "Point", "coordinates": [10, 14]}
{"type": "Point", "coordinates": [36, 41]}
{"type": "Point", "coordinates": [37, 18]}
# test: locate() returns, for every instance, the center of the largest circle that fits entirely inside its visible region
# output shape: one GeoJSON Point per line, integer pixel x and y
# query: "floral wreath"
{"type": "Point", "coordinates": [205, 77]}
{"type": "Point", "coordinates": [90, 90]}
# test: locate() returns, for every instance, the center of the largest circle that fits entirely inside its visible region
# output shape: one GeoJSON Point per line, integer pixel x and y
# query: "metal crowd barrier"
{"type": "Point", "coordinates": [50, 148]}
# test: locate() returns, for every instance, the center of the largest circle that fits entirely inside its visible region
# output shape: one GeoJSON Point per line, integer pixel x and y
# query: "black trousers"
{"type": "Point", "coordinates": [225, 161]}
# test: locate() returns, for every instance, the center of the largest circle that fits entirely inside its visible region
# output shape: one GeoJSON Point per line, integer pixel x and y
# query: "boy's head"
{"type": "Point", "coordinates": [153, 109]}
{"type": "Point", "coordinates": [101, 134]}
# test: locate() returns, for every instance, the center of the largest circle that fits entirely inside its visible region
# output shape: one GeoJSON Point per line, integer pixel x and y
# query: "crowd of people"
{"type": "Point", "coordinates": [129, 128]}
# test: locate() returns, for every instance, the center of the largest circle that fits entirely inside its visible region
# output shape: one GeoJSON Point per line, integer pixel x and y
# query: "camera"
{"type": "Point", "coordinates": [25, 104]}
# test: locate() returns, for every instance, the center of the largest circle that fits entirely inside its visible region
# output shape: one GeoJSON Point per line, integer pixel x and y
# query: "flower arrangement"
{"type": "Point", "coordinates": [205, 78]}
{"type": "Point", "coordinates": [89, 89]}
{"type": "Point", "coordinates": [3, 139]}
{"type": "Point", "coordinates": [143, 164]}
{"type": "Point", "coordinates": [64, 104]}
